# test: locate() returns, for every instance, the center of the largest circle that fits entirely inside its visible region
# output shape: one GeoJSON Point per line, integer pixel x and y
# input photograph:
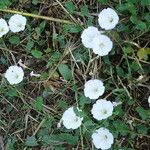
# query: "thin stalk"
{"type": "Point", "coordinates": [36, 16]}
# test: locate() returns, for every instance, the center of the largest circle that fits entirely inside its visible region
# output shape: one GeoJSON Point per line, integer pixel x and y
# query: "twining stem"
{"type": "Point", "coordinates": [36, 16]}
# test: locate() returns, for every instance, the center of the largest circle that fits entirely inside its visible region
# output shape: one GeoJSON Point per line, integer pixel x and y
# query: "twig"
{"type": "Point", "coordinates": [36, 16]}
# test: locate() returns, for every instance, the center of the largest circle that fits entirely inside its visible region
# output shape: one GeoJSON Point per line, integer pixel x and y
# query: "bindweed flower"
{"type": "Point", "coordinates": [17, 23]}
{"type": "Point", "coordinates": [102, 45]}
{"type": "Point", "coordinates": [94, 88]}
{"type": "Point", "coordinates": [149, 101]}
{"type": "Point", "coordinates": [70, 120]}
{"type": "Point", "coordinates": [102, 109]}
{"type": "Point", "coordinates": [108, 19]}
{"type": "Point", "coordinates": [88, 35]}
{"type": "Point", "coordinates": [14, 74]}
{"type": "Point", "coordinates": [102, 138]}
{"type": "Point", "coordinates": [3, 27]}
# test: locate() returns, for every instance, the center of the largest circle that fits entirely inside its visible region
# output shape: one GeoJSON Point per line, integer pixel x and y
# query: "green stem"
{"type": "Point", "coordinates": [36, 16]}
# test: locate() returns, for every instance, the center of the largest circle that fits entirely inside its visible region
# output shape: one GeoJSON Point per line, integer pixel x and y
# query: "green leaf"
{"type": "Point", "coordinates": [12, 93]}
{"type": "Point", "coordinates": [142, 113]}
{"type": "Point", "coordinates": [65, 71]}
{"type": "Point", "coordinates": [143, 53]}
{"type": "Point", "coordinates": [14, 40]}
{"type": "Point", "coordinates": [4, 3]}
{"type": "Point", "coordinates": [72, 28]}
{"type": "Point", "coordinates": [120, 71]}
{"type": "Point", "coordinates": [70, 7]}
{"type": "Point", "coordinates": [38, 103]}
{"type": "Point", "coordinates": [36, 53]}
{"type": "Point", "coordinates": [134, 19]}
{"type": "Point", "coordinates": [29, 45]}
{"type": "Point", "coordinates": [63, 104]}
{"type": "Point", "coordinates": [31, 141]}
{"type": "Point", "coordinates": [103, 1]}
{"type": "Point", "coordinates": [85, 11]}
{"type": "Point", "coordinates": [121, 127]}
{"type": "Point", "coordinates": [35, 2]}
{"type": "Point", "coordinates": [141, 25]}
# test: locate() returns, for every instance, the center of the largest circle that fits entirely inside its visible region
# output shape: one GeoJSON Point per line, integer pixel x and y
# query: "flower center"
{"type": "Point", "coordinates": [95, 90]}
{"type": "Point", "coordinates": [104, 137]}
{"type": "Point", "coordinates": [19, 25]}
{"type": "Point", "coordinates": [75, 119]}
{"type": "Point", "coordinates": [101, 45]}
{"type": "Point", "coordinates": [1, 29]}
{"type": "Point", "coordinates": [111, 19]}
{"type": "Point", "coordinates": [17, 76]}
{"type": "Point", "coordinates": [104, 111]}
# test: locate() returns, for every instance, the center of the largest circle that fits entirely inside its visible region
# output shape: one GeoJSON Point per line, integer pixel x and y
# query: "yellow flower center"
{"type": "Point", "coordinates": [2, 30]}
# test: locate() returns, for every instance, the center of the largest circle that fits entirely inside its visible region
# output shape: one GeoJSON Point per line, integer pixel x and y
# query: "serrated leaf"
{"type": "Point", "coordinates": [65, 71]}
{"type": "Point", "coordinates": [31, 141]}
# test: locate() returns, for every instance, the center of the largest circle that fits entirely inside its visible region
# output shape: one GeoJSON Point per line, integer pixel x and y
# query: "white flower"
{"type": "Point", "coordinates": [88, 35]}
{"type": "Point", "coordinates": [17, 23]}
{"type": "Point", "coordinates": [102, 109]}
{"type": "Point", "coordinates": [14, 74]}
{"type": "Point", "coordinates": [3, 27]}
{"type": "Point", "coordinates": [70, 120]}
{"type": "Point", "coordinates": [149, 100]}
{"type": "Point", "coordinates": [94, 88]}
{"type": "Point", "coordinates": [102, 138]}
{"type": "Point", "coordinates": [108, 19]}
{"type": "Point", "coordinates": [102, 45]}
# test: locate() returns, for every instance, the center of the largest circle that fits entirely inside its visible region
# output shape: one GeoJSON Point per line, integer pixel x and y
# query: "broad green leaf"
{"type": "Point", "coordinates": [4, 3]}
{"type": "Point", "coordinates": [14, 40]}
{"type": "Point", "coordinates": [38, 103]}
{"type": "Point", "coordinates": [65, 71]}
{"type": "Point", "coordinates": [31, 141]}
{"type": "Point", "coordinates": [70, 7]}
{"type": "Point", "coordinates": [12, 93]}
{"type": "Point", "coordinates": [85, 11]}
{"type": "Point", "coordinates": [29, 46]}
{"type": "Point", "coordinates": [103, 1]}
{"type": "Point", "coordinates": [36, 53]}
{"type": "Point", "coordinates": [142, 113]}
{"type": "Point", "coordinates": [141, 25]}
{"type": "Point", "coordinates": [63, 104]}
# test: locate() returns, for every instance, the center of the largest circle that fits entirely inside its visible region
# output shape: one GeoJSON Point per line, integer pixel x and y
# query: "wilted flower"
{"type": "Point", "coordinates": [14, 74]}
{"type": "Point", "coordinates": [108, 19]}
{"type": "Point", "coordinates": [88, 35]}
{"type": "Point", "coordinates": [17, 23]}
{"type": "Point", "coordinates": [70, 120]}
{"type": "Point", "coordinates": [102, 45]}
{"type": "Point", "coordinates": [21, 64]}
{"type": "Point", "coordinates": [32, 74]}
{"type": "Point", "coordinates": [102, 138]}
{"type": "Point", "coordinates": [3, 27]}
{"type": "Point", "coordinates": [94, 88]}
{"type": "Point", "coordinates": [102, 109]}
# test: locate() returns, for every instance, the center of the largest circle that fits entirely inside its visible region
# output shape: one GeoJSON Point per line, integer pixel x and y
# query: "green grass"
{"type": "Point", "coordinates": [31, 110]}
